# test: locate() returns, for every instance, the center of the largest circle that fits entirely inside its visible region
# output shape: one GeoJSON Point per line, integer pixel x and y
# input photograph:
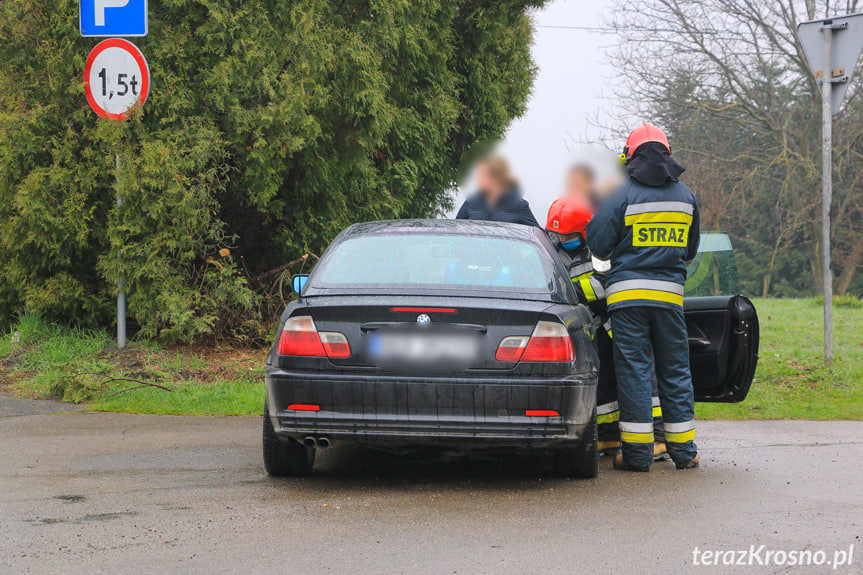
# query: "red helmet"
{"type": "Point", "coordinates": [642, 135]}
{"type": "Point", "coordinates": [569, 215]}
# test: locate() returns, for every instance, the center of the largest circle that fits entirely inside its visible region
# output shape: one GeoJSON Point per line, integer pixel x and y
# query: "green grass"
{"type": "Point", "coordinates": [238, 397]}
{"type": "Point", "coordinates": [791, 381]}
{"type": "Point", "coordinates": [39, 359]}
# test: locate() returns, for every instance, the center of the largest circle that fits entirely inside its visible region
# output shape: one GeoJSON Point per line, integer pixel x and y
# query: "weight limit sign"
{"type": "Point", "coordinates": [116, 78]}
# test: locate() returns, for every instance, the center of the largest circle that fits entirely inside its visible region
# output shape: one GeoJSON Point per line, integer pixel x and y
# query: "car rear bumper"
{"type": "Point", "coordinates": [483, 410]}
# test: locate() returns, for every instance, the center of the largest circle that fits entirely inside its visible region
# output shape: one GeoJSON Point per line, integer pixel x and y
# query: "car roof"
{"type": "Point", "coordinates": [442, 226]}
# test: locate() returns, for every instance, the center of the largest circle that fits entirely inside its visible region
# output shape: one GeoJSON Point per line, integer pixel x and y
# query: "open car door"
{"type": "Point", "coordinates": [723, 346]}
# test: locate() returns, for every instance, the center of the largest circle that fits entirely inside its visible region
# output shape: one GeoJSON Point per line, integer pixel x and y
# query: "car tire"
{"type": "Point", "coordinates": [285, 458]}
{"type": "Point", "coordinates": [581, 462]}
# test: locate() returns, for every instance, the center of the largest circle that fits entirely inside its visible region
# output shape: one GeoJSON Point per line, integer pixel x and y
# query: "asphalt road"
{"type": "Point", "coordinates": [110, 493]}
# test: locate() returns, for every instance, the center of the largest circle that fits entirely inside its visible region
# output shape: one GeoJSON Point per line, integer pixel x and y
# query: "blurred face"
{"type": "Point", "coordinates": [579, 184]}
{"type": "Point", "coordinates": [607, 186]}
{"type": "Point", "coordinates": [487, 184]}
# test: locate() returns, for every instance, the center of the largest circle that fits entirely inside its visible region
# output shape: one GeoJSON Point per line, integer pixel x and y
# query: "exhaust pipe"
{"type": "Point", "coordinates": [323, 442]}
{"type": "Point", "coordinates": [309, 441]}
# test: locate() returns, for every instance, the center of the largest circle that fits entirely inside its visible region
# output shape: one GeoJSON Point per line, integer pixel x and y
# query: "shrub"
{"type": "Point", "coordinates": [271, 125]}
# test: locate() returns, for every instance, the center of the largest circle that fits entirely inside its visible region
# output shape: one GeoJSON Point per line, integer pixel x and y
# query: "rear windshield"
{"type": "Point", "coordinates": [435, 261]}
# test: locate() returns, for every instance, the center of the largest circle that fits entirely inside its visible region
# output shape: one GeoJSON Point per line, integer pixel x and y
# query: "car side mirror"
{"type": "Point", "coordinates": [298, 282]}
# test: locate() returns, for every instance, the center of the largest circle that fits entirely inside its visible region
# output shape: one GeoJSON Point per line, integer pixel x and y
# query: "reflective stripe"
{"type": "Point", "coordinates": [607, 412]}
{"type": "Point", "coordinates": [645, 284]}
{"type": "Point", "coordinates": [631, 432]}
{"type": "Point", "coordinates": [646, 295]}
{"type": "Point", "coordinates": [581, 269]}
{"type": "Point", "coordinates": [647, 207]}
{"type": "Point", "coordinates": [598, 289]}
{"type": "Point", "coordinates": [658, 217]}
{"type": "Point", "coordinates": [654, 401]}
{"type": "Point", "coordinates": [654, 290]}
{"type": "Point", "coordinates": [680, 432]}
{"type": "Point", "coordinates": [586, 287]}
{"type": "Point", "coordinates": [672, 437]}
{"type": "Point", "coordinates": [607, 327]}
{"type": "Point", "coordinates": [680, 427]}
{"type": "Point", "coordinates": [657, 412]}
{"type": "Point", "coordinates": [636, 427]}
{"type": "Point", "coordinates": [608, 417]}
{"type": "Point", "coordinates": [630, 437]}
{"type": "Point", "coordinates": [607, 408]}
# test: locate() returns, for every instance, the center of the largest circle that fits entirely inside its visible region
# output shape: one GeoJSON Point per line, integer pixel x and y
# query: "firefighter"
{"type": "Point", "coordinates": [649, 229]}
{"type": "Point", "coordinates": [567, 218]}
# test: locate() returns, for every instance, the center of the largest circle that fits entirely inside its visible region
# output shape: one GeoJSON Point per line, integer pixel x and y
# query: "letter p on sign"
{"type": "Point", "coordinates": [100, 6]}
{"type": "Point", "coordinates": [113, 18]}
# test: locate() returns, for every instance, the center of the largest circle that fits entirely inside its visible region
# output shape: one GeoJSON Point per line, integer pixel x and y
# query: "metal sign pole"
{"type": "Point", "coordinates": [118, 59]}
{"type": "Point", "coordinates": [834, 45]}
{"type": "Point", "coordinates": [121, 293]}
{"type": "Point", "coordinates": [827, 186]}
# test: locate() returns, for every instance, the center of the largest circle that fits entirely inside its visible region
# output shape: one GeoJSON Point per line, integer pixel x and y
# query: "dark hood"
{"type": "Point", "coordinates": [652, 165]}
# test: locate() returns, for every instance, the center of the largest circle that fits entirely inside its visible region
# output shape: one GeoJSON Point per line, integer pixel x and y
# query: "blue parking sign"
{"type": "Point", "coordinates": [113, 18]}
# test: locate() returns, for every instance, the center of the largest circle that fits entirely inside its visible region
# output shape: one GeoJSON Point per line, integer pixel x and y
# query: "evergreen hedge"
{"type": "Point", "coordinates": [270, 126]}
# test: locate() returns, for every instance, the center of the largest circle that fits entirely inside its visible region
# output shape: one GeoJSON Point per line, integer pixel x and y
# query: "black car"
{"type": "Point", "coordinates": [459, 336]}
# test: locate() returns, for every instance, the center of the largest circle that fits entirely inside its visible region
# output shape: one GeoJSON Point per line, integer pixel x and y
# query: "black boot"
{"type": "Point", "coordinates": [691, 464]}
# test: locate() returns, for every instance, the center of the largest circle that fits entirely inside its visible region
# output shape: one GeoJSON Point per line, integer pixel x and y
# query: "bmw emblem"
{"type": "Point", "coordinates": [423, 319]}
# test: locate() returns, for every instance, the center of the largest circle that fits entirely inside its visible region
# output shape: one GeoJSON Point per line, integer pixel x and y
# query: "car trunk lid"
{"type": "Point", "coordinates": [466, 330]}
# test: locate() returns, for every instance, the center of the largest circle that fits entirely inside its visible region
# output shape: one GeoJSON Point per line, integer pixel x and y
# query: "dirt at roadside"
{"type": "Point", "coordinates": [145, 365]}
{"type": "Point", "coordinates": [197, 363]}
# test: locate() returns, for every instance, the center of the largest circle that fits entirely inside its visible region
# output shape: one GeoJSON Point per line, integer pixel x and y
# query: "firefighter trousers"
{"type": "Point", "coordinates": [607, 406]}
{"type": "Point", "coordinates": [647, 340]}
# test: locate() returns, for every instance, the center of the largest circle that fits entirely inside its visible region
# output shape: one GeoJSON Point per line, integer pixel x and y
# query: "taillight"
{"type": "Point", "coordinates": [300, 337]}
{"type": "Point", "coordinates": [335, 344]}
{"type": "Point", "coordinates": [550, 342]}
{"type": "Point", "coordinates": [511, 348]}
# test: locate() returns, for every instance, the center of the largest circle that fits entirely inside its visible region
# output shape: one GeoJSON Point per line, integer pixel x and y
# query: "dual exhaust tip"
{"type": "Point", "coordinates": [311, 441]}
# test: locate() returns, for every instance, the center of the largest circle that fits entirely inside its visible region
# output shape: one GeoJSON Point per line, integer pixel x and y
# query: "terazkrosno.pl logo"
{"type": "Point", "coordinates": [761, 556]}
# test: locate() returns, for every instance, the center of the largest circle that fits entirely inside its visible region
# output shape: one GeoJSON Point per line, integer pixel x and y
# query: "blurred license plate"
{"type": "Point", "coordinates": [421, 347]}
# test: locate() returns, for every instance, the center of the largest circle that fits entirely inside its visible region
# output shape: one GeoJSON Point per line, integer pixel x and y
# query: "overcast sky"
{"type": "Point", "coordinates": [568, 92]}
